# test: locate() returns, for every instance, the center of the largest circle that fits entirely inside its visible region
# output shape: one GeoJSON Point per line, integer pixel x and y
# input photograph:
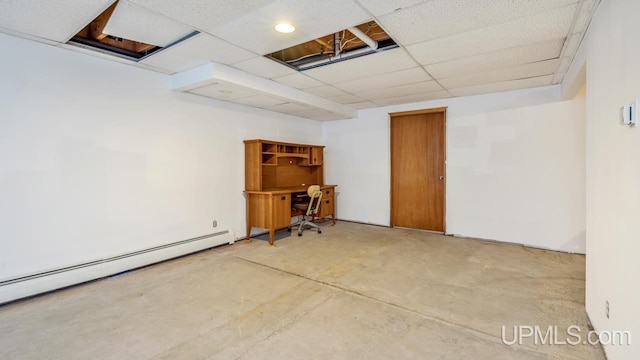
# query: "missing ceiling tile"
{"type": "Point", "coordinates": [93, 37]}
{"type": "Point", "coordinates": [361, 40]}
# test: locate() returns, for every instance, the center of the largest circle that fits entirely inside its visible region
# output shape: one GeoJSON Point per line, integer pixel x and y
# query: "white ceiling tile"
{"type": "Point", "coordinates": [536, 69]}
{"type": "Point", "coordinates": [134, 22]}
{"type": "Point", "coordinates": [264, 67]}
{"type": "Point", "coordinates": [362, 67]}
{"type": "Point", "coordinates": [382, 7]}
{"type": "Point", "coordinates": [441, 18]}
{"type": "Point", "coordinates": [499, 59]}
{"type": "Point", "coordinates": [397, 91]}
{"type": "Point", "coordinates": [396, 78]}
{"type": "Point", "coordinates": [287, 108]}
{"type": "Point", "coordinates": [298, 81]}
{"type": "Point", "coordinates": [312, 19]}
{"type": "Point", "coordinates": [503, 86]}
{"type": "Point", "coordinates": [202, 14]}
{"type": "Point", "coordinates": [433, 95]}
{"type": "Point", "coordinates": [223, 91]}
{"type": "Point", "coordinates": [260, 101]}
{"type": "Point", "coordinates": [53, 20]}
{"type": "Point", "coordinates": [538, 28]}
{"type": "Point", "coordinates": [346, 99]}
{"type": "Point", "coordinates": [325, 91]}
{"type": "Point", "coordinates": [363, 105]}
{"type": "Point", "coordinates": [195, 51]}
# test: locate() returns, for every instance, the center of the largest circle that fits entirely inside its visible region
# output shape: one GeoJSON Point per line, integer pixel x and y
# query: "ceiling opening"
{"type": "Point", "coordinates": [361, 40]}
{"type": "Point", "coordinates": [93, 36]}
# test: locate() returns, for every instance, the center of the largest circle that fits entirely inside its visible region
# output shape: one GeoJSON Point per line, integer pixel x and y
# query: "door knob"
{"type": "Point", "coordinates": [441, 178]}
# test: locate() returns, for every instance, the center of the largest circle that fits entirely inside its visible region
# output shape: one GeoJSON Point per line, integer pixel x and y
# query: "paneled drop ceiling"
{"type": "Point", "coordinates": [447, 48]}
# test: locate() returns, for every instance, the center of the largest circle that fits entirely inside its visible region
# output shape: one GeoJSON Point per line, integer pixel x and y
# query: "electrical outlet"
{"type": "Point", "coordinates": [606, 308]}
{"type": "Point", "coordinates": [215, 223]}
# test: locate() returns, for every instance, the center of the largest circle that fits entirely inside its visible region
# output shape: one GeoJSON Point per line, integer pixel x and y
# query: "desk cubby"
{"type": "Point", "coordinates": [271, 164]}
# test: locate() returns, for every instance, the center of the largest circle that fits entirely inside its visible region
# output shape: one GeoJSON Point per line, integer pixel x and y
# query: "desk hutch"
{"type": "Point", "coordinates": [275, 172]}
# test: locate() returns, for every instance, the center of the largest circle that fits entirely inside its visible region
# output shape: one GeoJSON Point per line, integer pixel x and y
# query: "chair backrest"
{"type": "Point", "coordinates": [315, 196]}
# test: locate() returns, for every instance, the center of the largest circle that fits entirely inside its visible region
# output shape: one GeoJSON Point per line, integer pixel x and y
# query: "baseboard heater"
{"type": "Point", "coordinates": [45, 281]}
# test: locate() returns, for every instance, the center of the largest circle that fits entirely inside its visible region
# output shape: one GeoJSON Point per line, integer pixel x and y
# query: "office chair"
{"type": "Point", "coordinates": [311, 208]}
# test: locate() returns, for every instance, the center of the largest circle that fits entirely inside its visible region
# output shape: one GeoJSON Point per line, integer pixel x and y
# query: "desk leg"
{"type": "Point", "coordinates": [272, 233]}
{"type": "Point", "coordinates": [248, 238]}
{"type": "Point", "coordinates": [333, 217]}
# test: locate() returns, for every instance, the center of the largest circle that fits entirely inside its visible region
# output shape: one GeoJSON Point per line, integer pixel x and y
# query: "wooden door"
{"type": "Point", "coordinates": [418, 169]}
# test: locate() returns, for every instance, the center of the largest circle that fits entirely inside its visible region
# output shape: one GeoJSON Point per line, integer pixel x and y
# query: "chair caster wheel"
{"type": "Point", "coordinates": [288, 230]}
{"type": "Point", "coordinates": [299, 234]}
{"type": "Point", "coordinates": [319, 232]}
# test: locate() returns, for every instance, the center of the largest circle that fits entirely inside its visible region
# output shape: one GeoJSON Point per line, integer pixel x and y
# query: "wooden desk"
{"type": "Point", "coordinates": [274, 170]}
{"type": "Point", "coordinates": [271, 208]}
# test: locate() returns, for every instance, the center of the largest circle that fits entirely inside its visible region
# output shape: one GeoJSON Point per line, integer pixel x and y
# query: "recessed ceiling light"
{"type": "Point", "coordinates": [285, 28]}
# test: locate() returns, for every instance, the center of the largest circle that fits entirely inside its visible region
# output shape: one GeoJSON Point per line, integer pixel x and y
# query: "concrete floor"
{"type": "Point", "coordinates": [353, 292]}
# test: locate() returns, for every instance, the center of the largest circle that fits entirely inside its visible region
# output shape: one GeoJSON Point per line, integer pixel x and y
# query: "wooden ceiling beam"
{"type": "Point", "coordinates": [98, 24]}
{"type": "Point", "coordinates": [324, 43]}
{"type": "Point", "coordinates": [141, 47]}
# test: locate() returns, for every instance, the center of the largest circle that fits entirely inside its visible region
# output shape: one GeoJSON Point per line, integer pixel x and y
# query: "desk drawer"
{"type": "Point", "coordinates": [281, 210]}
{"type": "Point", "coordinates": [326, 207]}
{"type": "Point", "coordinates": [327, 193]}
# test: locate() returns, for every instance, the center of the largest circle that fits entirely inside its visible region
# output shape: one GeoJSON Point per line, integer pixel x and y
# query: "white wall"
{"type": "Point", "coordinates": [515, 167]}
{"type": "Point", "coordinates": [99, 158]}
{"type": "Point", "coordinates": [613, 173]}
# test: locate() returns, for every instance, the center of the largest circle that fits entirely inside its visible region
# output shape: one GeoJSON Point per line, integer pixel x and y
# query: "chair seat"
{"type": "Point", "coordinates": [301, 206]}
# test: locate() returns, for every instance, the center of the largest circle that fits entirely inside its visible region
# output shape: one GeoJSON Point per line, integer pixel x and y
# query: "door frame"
{"type": "Point", "coordinates": [443, 110]}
